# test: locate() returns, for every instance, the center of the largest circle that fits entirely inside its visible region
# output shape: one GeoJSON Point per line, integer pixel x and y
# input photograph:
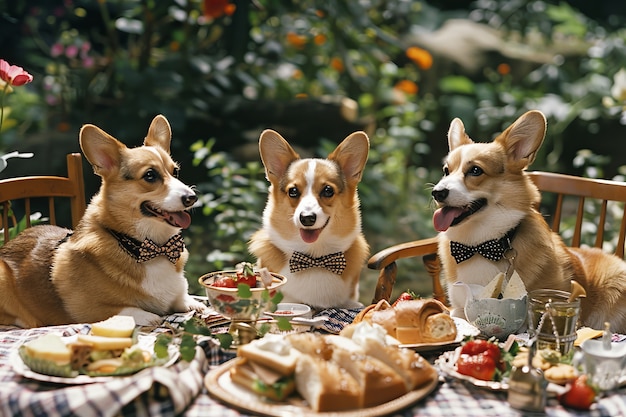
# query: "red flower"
{"type": "Point", "coordinates": [13, 75]}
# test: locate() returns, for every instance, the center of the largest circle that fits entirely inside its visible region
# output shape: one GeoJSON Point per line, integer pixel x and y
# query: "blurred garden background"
{"type": "Point", "coordinates": [221, 71]}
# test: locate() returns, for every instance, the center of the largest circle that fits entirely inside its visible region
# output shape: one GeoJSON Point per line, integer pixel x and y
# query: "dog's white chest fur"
{"type": "Point", "coordinates": [318, 288]}
{"type": "Point", "coordinates": [165, 286]}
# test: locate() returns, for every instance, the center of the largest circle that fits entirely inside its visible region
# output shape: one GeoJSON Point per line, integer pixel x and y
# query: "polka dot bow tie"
{"type": "Point", "coordinates": [172, 249]}
{"type": "Point", "coordinates": [492, 250]}
{"type": "Point", "coordinates": [335, 262]}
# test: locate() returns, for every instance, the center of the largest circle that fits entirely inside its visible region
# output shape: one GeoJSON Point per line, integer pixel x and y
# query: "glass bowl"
{"type": "Point", "coordinates": [241, 304]}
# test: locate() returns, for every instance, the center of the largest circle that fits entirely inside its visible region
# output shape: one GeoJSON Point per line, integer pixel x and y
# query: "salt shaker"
{"type": "Point", "coordinates": [527, 386]}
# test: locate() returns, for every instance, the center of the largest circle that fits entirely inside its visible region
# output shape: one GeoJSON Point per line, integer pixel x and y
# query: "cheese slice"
{"type": "Point", "coordinates": [106, 343]}
{"type": "Point", "coordinates": [492, 290]}
{"type": "Point", "coordinates": [49, 347]}
{"type": "Point", "coordinates": [116, 326]}
{"type": "Point", "coordinates": [515, 289]}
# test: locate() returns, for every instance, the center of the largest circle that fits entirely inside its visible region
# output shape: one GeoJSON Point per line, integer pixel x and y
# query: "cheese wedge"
{"type": "Point", "coordinates": [492, 290]}
{"type": "Point", "coordinates": [49, 347]}
{"type": "Point", "coordinates": [116, 326]}
{"type": "Point", "coordinates": [106, 343]}
{"type": "Point", "coordinates": [515, 288]}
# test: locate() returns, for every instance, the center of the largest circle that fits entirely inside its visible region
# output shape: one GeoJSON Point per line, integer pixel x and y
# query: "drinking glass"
{"type": "Point", "coordinates": [553, 318]}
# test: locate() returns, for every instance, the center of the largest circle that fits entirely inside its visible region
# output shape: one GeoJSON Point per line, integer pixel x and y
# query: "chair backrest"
{"type": "Point", "coordinates": [28, 191]}
{"type": "Point", "coordinates": [598, 208]}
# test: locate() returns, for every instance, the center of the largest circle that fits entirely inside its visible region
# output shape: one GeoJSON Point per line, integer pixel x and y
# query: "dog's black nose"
{"type": "Point", "coordinates": [189, 200]}
{"type": "Point", "coordinates": [308, 220]}
{"type": "Point", "coordinates": [440, 195]}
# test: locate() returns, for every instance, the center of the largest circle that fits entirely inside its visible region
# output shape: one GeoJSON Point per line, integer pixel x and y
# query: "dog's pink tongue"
{"type": "Point", "coordinates": [310, 235]}
{"type": "Point", "coordinates": [180, 219]}
{"type": "Point", "coordinates": [443, 217]}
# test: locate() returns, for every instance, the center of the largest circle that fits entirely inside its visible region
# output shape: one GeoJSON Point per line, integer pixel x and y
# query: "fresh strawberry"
{"type": "Point", "coordinates": [225, 282]}
{"type": "Point", "coordinates": [480, 366]}
{"type": "Point", "coordinates": [580, 395]}
{"type": "Point", "coordinates": [474, 347]}
{"type": "Point", "coordinates": [406, 295]}
{"type": "Point", "coordinates": [246, 276]}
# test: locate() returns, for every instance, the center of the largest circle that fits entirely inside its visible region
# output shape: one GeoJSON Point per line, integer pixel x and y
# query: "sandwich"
{"type": "Point", "coordinates": [109, 349]}
{"type": "Point", "coordinates": [266, 366]}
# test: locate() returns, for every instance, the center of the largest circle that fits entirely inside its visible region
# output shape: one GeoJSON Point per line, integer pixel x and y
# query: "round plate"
{"type": "Point", "coordinates": [447, 364]}
{"type": "Point", "coordinates": [145, 341]}
{"type": "Point", "coordinates": [219, 385]}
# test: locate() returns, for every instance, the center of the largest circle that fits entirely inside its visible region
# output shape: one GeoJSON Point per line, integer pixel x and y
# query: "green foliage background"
{"type": "Point", "coordinates": [315, 71]}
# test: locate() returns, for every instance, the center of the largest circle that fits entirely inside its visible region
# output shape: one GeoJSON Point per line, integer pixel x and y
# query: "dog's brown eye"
{"type": "Point", "coordinates": [446, 171]}
{"type": "Point", "coordinates": [327, 192]}
{"type": "Point", "coordinates": [151, 175]}
{"type": "Point", "coordinates": [475, 171]}
{"type": "Point", "coordinates": [293, 192]}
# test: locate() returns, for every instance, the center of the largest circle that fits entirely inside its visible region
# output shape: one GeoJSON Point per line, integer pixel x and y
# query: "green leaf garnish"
{"type": "Point", "coordinates": [244, 291]}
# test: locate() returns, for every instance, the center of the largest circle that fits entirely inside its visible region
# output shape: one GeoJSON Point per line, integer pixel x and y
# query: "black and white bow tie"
{"type": "Point", "coordinates": [492, 249]}
{"type": "Point", "coordinates": [146, 250]}
{"type": "Point", "coordinates": [335, 262]}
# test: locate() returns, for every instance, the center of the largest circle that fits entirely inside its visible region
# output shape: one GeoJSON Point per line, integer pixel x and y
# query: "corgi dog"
{"type": "Point", "coordinates": [126, 255]}
{"type": "Point", "coordinates": [485, 196]}
{"type": "Point", "coordinates": [311, 230]}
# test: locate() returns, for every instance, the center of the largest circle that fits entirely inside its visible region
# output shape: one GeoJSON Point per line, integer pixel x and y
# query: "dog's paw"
{"type": "Point", "coordinates": [142, 317]}
{"type": "Point", "coordinates": [191, 304]}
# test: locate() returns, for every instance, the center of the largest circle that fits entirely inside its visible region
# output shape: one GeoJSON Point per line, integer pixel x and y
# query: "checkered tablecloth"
{"type": "Point", "coordinates": [179, 389]}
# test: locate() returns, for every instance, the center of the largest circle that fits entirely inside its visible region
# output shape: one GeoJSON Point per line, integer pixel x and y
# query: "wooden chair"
{"type": "Point", "coordinates": [562, 188]}
{"type": "Point", "coordinates": [29, 189]}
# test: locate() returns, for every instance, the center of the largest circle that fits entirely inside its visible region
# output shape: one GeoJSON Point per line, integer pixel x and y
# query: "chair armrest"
{"type": "Point", "coordinates": [389, 255]}
{"type": "Point", "coordinates": [385, 262]}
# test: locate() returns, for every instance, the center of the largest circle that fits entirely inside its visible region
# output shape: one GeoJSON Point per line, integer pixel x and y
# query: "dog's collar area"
{"type": "Point", "coordinates": [335, 262]}
{"type": "Point", "coordinates": [493, 249]}
{"type": "Point", "coordinates": [146, 250]}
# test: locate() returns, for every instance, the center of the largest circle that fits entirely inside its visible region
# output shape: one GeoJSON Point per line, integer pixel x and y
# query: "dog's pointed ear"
{"type": "Point", "coordinates": [276, 154]}
{"type": "Point", "coordinates": [159, 133]}
{"type": "Point", "coordinates": [102, 150]}
{"type": "Point", "coordinates": [457, 135]}
{"type": "Point", "coordinates": [351, 155]}
{"type": "Point", "coordinates": [524, 137]}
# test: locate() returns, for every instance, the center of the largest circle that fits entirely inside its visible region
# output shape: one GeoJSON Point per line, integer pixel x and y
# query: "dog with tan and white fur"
{"type": "Point", "coordinates": [311, 229]}
{"type": "Point", "coordinates": [126, 256]}
{"type": "Point", "coordinates": [485, 196]}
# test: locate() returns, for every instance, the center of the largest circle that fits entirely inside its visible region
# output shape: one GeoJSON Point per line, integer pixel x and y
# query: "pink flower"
{"type": "Point", "coordinates": [71, 51]}
{"type": "Point", "coordinates": [13, 75]}
{"type": "Point", "coordinates": [56, 50]}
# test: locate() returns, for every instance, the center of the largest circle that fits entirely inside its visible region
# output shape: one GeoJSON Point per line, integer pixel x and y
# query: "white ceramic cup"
{"type": "Point", "coordinates": [604, 366]}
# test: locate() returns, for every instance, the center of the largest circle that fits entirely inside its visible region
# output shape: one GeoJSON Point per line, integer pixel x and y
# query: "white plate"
{"type": "Point", "coordinates": [219, 385]}
{"type": "Point", "coordinates": [447, 364]}
{"type": "Point", "coordinates": [145, 341]}
{"type": "Point", "coordinates": [463, 329]}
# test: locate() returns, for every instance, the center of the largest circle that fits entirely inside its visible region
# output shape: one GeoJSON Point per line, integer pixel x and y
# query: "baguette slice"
{"type": "Point", "coordinates": [49, 347]}
{"type": "Point", "coordinates": [379, 382]}
{"type": "Point", "coordinates": [116, 326]}
{"type": "Point", "coordinates": [410, 365]}
{"type": "Point", "coordinates": [106, 343]}
{"type": "Point", "coordinates": [325, 386]}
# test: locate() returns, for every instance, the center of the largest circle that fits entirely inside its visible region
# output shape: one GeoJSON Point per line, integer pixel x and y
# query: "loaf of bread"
{"type": "Point", "coordinates": [412, 321]}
